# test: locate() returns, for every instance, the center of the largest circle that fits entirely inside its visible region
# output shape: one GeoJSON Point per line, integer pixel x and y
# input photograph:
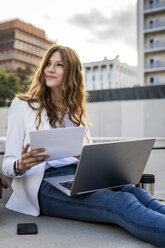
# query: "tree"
{"type": "Point", "coordinates": [9, 86]}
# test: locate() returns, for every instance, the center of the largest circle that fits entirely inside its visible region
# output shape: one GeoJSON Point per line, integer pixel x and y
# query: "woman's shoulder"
{"type": "Point", "coordinates": [19, 104]}
{"type": "Point", "coordinates": [18, 101]}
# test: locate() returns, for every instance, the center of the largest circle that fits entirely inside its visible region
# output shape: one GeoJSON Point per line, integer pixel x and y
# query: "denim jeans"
{"type": "Point", "coordinates": [129, 207]}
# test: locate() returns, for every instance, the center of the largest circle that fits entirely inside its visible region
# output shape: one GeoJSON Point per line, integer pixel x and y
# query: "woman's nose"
{"type": "Point", "coordinates": [51, 68]}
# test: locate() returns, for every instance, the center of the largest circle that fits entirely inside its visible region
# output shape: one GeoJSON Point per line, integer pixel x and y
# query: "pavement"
{"type": "Point", "coordinates": [63, 233]}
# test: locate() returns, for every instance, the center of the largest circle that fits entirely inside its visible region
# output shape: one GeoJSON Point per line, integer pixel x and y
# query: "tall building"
{"type": "Point", "coordinates": [151, 41]}
{"type": "Point", "coordinates": [22, 46]}
{"type": "Point", "coordinates": [108, 74]}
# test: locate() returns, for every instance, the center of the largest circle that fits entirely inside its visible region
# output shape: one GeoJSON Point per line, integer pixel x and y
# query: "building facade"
{"type": "Point", "coordinates": [151, 41]}
{"type": "Point", "coordinates": [22, 46]}
{"type": "Point", "coordinates": [108, 74]}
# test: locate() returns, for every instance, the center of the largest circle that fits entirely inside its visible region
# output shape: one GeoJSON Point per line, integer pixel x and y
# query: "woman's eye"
{"type": "Point", "coordinates": [59, 64]}
{"type": "Point", "coordinates": [48, 63]}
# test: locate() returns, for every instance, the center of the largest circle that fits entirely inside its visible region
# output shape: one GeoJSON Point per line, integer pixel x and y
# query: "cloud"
{"type": "Point", "coordinates": [120, 26]}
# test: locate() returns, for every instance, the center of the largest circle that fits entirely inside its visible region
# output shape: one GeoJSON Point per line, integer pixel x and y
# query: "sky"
{"type": "Point", "coordinates": [93, 28]}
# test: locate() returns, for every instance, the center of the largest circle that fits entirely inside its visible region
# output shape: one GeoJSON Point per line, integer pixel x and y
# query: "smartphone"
{"type": "Point", "coordinates": [27, 228]}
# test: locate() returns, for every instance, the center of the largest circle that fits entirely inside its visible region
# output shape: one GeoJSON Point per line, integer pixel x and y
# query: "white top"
{"type": "Point", "coordinates": [21, 121]}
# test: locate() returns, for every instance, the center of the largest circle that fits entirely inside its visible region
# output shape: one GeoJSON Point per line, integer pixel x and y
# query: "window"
{"type": "Point", "coordinates": [111, 66]}
{"type": "Point", "coordinates": [93, 78]}
{"type": "Point", "coordinates": [151, 80]}
{"type": "Point", "coordinates": [157, 79]}
{"type": "Point", "coordinates": [95, 68]}
{"type": "Point", "coordinates": [151, 62]}
{"type": "Point", "coordinates": [151, 42]}
{"type": "Point", "coordinates": [103, 67]}
{"type": "Point", "coordinates": [87, 69]}
{"type": "Point", "coordinates": [151, 23]}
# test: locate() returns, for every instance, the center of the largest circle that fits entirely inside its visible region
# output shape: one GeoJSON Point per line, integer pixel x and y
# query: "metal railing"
{"type": "Point", "coordinates": [154, 6]}
{"type": "Point", "coordinates": [154, 26]}
{"type": "Point", "coordinates": [155, 65]}
{"type": "Point", "coordinates": [154, 46]}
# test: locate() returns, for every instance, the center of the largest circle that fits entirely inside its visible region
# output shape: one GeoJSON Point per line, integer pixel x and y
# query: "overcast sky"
{"type": "Point", "coordinates": [94, 28]}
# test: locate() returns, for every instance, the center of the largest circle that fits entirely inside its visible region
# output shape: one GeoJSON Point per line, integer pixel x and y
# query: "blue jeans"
{"type": "Point", "coordinates": [129, 207]}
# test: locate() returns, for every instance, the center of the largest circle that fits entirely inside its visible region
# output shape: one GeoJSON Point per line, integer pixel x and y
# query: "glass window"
{"type": "Point", "coordinates": [87, 69]}
{"type": "Point", "coordinates": [103, 67]}
{"type": "Point", "coordinates": [111, 66]}
{"type": "Point", "coordinates": [95, 68]}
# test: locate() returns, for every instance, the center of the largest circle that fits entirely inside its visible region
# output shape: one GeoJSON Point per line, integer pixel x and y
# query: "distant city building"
{"type": "Point", "coordinates": [151, 41]}
{"type": "Point", "coordinates": [107, 74]}
{"type": "Point", "coordinates": [22, 46]}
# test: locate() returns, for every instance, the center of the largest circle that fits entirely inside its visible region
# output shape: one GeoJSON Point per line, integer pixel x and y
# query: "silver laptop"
{"type": "Point", "coordinates": [106, 165]}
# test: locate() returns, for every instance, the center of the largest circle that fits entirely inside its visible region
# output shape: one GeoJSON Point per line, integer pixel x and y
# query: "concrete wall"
{"type": "Point", "coordinates": [136, 118]}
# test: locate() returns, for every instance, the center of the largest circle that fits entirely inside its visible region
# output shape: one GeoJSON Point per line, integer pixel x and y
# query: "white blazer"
{"type": "Point", "coordinates": [21, 120]}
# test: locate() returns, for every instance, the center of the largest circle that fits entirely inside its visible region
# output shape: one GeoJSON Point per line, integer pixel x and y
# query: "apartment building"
{"type": "Point", "coordinates": [22, 46]}
{"type": "Point", "coordinates": [108, 74]}
{"type": "Point", "coordinates": [151, 41]}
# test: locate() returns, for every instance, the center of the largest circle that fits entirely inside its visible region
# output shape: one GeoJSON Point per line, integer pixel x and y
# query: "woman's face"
{"type": "Point", "coordinates": [54, 71]}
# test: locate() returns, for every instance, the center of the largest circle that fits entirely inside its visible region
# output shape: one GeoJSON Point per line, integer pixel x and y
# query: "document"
{"type": "Point", "coordinates": [59, 142]}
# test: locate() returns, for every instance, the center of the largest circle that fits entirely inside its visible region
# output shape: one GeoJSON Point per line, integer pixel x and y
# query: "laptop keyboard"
{"type": "Point", "coordinates": [67, 185]}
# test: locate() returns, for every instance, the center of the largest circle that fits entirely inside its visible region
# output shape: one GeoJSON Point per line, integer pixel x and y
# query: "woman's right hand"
{"type": "Point", "coordinates": [28, 159]}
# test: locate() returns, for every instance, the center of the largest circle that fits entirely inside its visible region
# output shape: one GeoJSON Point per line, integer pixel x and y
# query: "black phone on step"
{"type": "Point", "coordinates": [27, 228]}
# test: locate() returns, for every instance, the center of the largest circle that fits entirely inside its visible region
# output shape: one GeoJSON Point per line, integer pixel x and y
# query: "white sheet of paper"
{"type": "Point", "coordinates": [59, 142]}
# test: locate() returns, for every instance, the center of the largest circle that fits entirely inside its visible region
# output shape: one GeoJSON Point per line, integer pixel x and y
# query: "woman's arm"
{"type": "Point", "coordinates": [17, 159]}
{"type": "Point", "coordinates": [15, 137]}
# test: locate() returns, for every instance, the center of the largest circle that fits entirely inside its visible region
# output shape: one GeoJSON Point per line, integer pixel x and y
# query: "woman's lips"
{"type": "Point", "coordinates": [50, 77]}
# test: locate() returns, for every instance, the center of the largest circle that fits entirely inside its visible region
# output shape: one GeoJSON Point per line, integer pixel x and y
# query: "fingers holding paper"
{"type": "Point", "coordinates": [30, 158]}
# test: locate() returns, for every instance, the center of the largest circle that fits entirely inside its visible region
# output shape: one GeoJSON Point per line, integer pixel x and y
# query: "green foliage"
{"type": "Point", "coordinates": [9, 87]}
{"type": "Point", "coordinates": [25, 84]}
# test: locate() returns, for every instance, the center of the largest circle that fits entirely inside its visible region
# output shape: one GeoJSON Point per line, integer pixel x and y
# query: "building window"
{"type": "Point", "coordinates": [151, 80]}
{"type": "Point", "coordinates": [111, 66]}
{"type": "Point", "coordinates": [103, 67]}
{"type": "Point", "coordinates": [151, 42]}
{"type": "Point", "coordinates": [87, 69]}
{"type": "Point", "coordinates": [95, 68]}
{"type": "Point", "coordinates": [151, 23]}
{"type": "Point", "coordinates": [157, 79]}
{"type": "Point", "coordinates": [93, 78]}
{"type": "Point", "coordinates": [151, 3]}
{"type": "Point", "coordinates": [151, 62]}
{"type": "Point", "coordinates": [101, 76]}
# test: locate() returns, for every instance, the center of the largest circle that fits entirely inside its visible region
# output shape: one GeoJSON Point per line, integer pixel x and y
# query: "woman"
{"type": "Point", "coordinates": [56, 99]}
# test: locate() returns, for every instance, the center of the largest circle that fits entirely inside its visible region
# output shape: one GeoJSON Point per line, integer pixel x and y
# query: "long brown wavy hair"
{"type": "Point", "coordinates": [73, 95]}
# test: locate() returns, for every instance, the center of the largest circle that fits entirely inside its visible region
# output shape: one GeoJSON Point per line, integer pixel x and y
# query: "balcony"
{"type": "Point", "coordinates": [154, 47]}
{"type": "Point", "coordinates": [155, 7]}
{"type": "Point", "coordinates": [154, 67]}
{"type": "Point", "coordinates": [154, 27]}
{"type": "Point", "coordinates": [154, 83]}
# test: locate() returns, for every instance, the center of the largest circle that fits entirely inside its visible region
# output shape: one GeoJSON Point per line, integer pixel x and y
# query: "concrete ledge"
{"type": "Point", "coordinates": [63, 233]}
